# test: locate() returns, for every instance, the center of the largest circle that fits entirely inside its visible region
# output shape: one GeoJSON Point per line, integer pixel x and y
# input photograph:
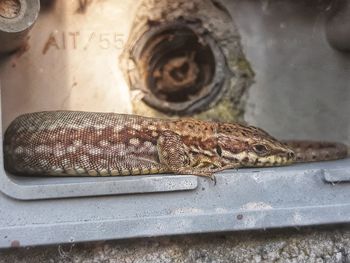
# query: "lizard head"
{"type": "Point", "coordinates": [250, 146]}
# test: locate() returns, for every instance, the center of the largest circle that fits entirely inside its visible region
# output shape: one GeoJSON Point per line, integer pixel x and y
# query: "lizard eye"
{"type": "Point", "coordinates": [218, 150]}
{"type": "Point", "coordinates": [260, 148]}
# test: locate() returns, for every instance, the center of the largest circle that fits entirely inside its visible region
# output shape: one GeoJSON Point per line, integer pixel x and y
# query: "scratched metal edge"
{"type": "Point", "coordinates": [97, 187]}
{"type": "Point", "coordinates": [336, 175]}
{"type": "Point", "coordinates": [69, 232]}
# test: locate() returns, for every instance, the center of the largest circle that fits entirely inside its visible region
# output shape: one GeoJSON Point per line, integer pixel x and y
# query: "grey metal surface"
{"type": "Point", "coordinates": [43, 188]}
{"type": "Point", "coordinates": [245, 199]}
{"type": "Point", "coordinates": [302, 87]}
{"type": "Point", "coordinates": [14, 29]}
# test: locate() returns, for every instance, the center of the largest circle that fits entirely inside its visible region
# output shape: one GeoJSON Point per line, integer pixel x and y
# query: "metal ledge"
{"type": "Point", "coordinates": [36, 188]}
{"type": "Point", "coordinates": [243, 199]}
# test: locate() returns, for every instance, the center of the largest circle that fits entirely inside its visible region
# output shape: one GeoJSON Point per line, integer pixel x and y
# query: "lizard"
{"type": "Point", "coordinates": [74, 143]}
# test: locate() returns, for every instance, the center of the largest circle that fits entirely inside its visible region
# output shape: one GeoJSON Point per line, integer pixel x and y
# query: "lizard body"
{"type": "Point", "coordinates": [69, 143]}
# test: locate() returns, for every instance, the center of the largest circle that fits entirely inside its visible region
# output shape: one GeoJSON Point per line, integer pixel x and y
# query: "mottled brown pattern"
{"type": "Point", "coordinates": [80, 143]}
{"type": "Point", "coordinates": [67, 143]}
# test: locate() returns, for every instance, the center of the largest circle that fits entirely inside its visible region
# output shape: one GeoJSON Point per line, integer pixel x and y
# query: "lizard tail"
{"type": "Point", "coordinates": [313, 151]}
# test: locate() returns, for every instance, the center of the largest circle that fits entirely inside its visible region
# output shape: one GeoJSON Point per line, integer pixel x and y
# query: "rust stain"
{"type": "Point", "coordinates": [15, 243]}
{"type": "Point", "coordinates": [24, 48]}
{"type": "Point", "coordinates": [83, 6]}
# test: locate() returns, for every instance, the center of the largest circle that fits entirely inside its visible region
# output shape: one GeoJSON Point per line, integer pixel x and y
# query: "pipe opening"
{"type": "Point", "coordinates": [181, 69]}
{"type": "Point", "coordinates": [10, 8]}
{"type": "Point", "coordinates": [176, 65]}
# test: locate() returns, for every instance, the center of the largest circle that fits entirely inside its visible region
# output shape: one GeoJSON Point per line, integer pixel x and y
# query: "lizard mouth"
{"type": "Point", "coordinates": [276, 160]}
{"type": "Point", "coordinates": [245, 159]}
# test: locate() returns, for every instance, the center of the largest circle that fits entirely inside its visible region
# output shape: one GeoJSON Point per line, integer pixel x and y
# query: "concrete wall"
{"type": "Point", "coordinates": [298, 246]}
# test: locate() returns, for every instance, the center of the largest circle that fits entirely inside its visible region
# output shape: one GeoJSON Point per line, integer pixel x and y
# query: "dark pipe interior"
{"type": "Point", "coordinates": [177, 64]}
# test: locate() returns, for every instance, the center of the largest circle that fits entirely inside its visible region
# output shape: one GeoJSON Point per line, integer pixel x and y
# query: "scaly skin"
{"type": "Point", "coordinates": [67, 143]}
{"type": "Point", "coordinates": [311, 151]}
